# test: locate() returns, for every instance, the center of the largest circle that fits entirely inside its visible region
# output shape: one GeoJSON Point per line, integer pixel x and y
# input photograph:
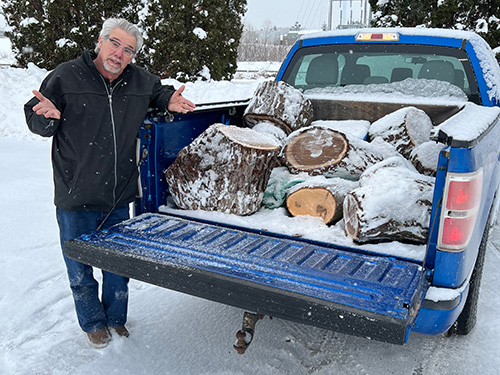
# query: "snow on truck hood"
{"type": "Point", "coordinates": [483, 51]}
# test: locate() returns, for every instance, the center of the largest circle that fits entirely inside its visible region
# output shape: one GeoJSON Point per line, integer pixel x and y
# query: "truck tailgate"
{"type": "Point", "coordinates": [337, 289]}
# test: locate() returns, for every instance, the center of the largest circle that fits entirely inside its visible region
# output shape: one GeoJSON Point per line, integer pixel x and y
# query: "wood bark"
{"type": "Point", "coordinates": [404, 129]}
{"type": "Point", "coordinates": [225, 169]}
{"type": "Point", "coordinates": [392, 203]}
{"type": "Point", "coordinates": [323, 151]}
{"type": "Point", "coordinates": [281, 104]}
{"type": "Point", "coordinates": [319, 198]}
{"type": "Point", "coordinates": [425, 157]}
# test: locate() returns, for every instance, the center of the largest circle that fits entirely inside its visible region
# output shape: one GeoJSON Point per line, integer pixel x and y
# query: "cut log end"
{"type": "Point", "coordinates": [317, 202]}
{"type": "Point", "coordinates": [351, 219]}
{"type": "Point", "coordinates": [316, 149]}
{"type": "Point", "coordinates": [249, 138]}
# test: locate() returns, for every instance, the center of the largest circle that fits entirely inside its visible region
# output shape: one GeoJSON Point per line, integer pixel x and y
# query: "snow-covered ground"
{"type": "Point", "coordinates": [173, 333]}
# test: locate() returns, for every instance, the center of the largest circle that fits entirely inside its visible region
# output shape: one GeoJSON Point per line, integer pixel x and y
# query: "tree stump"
{"type": "Point", "coordinates": [320, 198]}
{"type": "Point", "coordinates": [404, 129]}
{"type": "Point", "coordinates": [281, 104]}
{"type": "Point", "coordinates": [323, 151]}
{"type": "Point", "coordinates": [392, 203]}
{"type": "Point", "coordinates": [225, 169]}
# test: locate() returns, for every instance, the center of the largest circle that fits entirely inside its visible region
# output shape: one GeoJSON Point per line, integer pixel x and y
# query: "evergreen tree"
{"type": "Point", "coordinates": [222, 21]}
{"type": "Point", "coordinates": [405, 13]}
{"type": "Point", "coordinates": [48, 32]}
{"type": "Point", "coordinates": [185, 37]}
{"type": "Point", "coordinates": [170, 42]}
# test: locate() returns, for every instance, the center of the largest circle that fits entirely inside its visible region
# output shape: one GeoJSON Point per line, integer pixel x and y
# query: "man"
{"type": "Point", "coordinates": [93, 107]}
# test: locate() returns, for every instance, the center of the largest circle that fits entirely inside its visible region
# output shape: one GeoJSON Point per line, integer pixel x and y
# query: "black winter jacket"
{"type": "Point", "coordinates": [94, 142]}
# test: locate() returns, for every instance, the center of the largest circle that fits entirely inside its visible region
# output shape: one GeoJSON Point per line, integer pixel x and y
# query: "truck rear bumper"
{"type": "Point", "coordinates": [437, 317]}
{"type": "Point", "coordinates": [332, 288]}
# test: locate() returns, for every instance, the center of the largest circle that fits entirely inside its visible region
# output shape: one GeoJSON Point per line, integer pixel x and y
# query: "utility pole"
{"type": "Point", "coordinates": [363, 7]}
{"type": "Point", "coordinates": [330, 15]}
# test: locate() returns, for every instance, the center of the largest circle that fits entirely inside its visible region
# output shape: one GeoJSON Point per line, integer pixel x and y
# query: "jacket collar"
{"type": "Point", "coordinates": [88, 58]}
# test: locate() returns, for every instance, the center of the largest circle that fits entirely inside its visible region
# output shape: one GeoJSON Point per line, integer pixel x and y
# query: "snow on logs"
{"type": "Point", "coordinates": [408, 130]}
{"type": "Point", "coordinates": [327, 170]}
{"type": "Point", "coordinates": [225, 169]}
{"type": "Point", "coordinates": [424, 157]}
{"type": "Point", "coordinates": [281, 104]}
{"type": "Point", "coordinates": [393, 202]}
{"type": "Point", "coordinates": [404, 129]}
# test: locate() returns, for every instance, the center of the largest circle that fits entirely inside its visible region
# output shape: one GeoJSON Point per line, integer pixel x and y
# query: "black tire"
{"type": "Point", "coordinates": [468, 317]}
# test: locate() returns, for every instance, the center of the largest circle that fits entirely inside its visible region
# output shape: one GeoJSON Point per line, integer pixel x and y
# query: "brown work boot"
{"type": "Point", "coordinates": [121, 331]}
{"type": "Point", "coordinates": [99, 339]}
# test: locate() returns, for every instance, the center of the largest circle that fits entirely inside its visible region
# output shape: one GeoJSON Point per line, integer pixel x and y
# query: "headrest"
{"type": "Point", "coordinates": [323, 70]}
{"type": "Point", "coordinates": [438, 69]}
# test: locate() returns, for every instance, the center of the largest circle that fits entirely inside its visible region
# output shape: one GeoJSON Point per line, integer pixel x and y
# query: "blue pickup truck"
{"type": "Point", "coordinates": [335, 284]}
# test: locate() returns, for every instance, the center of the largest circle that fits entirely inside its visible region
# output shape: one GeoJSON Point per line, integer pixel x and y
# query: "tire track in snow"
{"type": "Point", "coordinates": [316, 350]}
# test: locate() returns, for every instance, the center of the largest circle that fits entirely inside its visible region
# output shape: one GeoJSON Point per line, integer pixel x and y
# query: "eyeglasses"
{"type": "Point", "coordinates": [115, 45]}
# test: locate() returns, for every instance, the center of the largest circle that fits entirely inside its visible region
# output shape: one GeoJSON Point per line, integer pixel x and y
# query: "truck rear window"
{"type": "Point", "coordinates": [363, 64]}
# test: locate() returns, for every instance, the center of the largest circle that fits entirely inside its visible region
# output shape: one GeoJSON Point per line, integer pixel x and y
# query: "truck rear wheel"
{"type": "Point", "coordinates": [467, 318]}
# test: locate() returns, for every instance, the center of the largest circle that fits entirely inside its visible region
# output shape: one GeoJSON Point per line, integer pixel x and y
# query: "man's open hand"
{"type": "Point", "coordinates": [46, 107]}
{"type": "Point", "coordinates": [178, 103]}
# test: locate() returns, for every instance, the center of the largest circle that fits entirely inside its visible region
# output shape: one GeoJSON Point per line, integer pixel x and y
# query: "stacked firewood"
{"type": "Point", "coordinates": [227, 168]}
{"type": "Point", "coordinates": [380, 182]}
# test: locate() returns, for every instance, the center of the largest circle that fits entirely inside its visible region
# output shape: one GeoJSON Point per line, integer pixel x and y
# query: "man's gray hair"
{"type": "Point", "coordinates": [112, 23]}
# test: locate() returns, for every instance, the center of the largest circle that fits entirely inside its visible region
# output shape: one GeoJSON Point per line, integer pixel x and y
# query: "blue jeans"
{"type": "Point", "coordinates": [93, 314]}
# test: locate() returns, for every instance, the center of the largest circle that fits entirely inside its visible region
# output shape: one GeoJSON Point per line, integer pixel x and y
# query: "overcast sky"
{"type": "Point", "coordinates": [284, 13]}
{"type": "Point", "coordinates": [311, 14]}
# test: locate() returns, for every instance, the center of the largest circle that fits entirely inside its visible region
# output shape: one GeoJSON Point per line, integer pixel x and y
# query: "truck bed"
{"type": "Point", "coordinates": [312, 283]}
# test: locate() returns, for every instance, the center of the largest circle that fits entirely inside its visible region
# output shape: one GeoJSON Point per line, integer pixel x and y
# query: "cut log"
{"type": "Point", "coordinates": [425, 157]}
{"type": "Point", "coordinates": [323, 151]}
{"type": "Point", "coordinates": [225, 169]}
{"type": "Point", "coordinates": [404, 129]}
{"type": "Point", "coordinates": [319, 198]}
{"type": "Point", "coordinates": [281, 104]}
{"type": "Point", "coordinates": [391, 204]}
{"type": "Point", "coordinates": [280, 182]}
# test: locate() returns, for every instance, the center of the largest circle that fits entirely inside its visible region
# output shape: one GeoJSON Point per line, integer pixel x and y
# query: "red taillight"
{"type": "Point", "coordinates": [462, 197]}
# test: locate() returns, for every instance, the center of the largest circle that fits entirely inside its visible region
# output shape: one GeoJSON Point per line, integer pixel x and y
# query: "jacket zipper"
{"type": "Point", "coordinates": [109, 91]}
